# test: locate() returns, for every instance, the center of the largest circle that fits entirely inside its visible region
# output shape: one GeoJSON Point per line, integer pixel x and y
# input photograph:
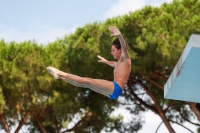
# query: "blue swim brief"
{"type": "Point", "coordinates": [117, 91]}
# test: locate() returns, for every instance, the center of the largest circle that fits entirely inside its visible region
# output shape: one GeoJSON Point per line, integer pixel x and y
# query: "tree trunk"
{"type": "Point", "coordinates": [4, 123]}
{"type": "Point", "coordinates": [195, 110]}
{"type": "Point", "coordinates": [166, 122]}
{"type": "Point", "coordinates": [40, 124]}
{"type": "Point", "coordinates": [162, 115]}
{"type": "Point", "coordinates": [22, 122]}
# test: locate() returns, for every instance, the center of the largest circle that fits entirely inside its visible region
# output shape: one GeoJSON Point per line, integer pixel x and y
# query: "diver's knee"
{"type": "Point", "coordinates": [88, 81]}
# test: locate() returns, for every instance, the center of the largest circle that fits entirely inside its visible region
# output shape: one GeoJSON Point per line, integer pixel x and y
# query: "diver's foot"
{"type": "Point", "coordinates": [53, 72]}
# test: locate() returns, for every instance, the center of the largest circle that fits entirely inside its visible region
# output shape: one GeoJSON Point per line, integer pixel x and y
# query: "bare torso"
{"type": "Point", "coordinates": [122, 71]}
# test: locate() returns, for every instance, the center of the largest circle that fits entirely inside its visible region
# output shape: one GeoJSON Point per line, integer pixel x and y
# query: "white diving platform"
{"type": "Point", "coordinates": [184, 81]}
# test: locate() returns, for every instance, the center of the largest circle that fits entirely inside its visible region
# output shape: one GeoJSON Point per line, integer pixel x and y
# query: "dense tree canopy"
{"type": "Point", "coordinates": [156, 37]}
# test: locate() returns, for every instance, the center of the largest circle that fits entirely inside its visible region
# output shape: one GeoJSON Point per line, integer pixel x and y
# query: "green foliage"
{"type": "Point", "coordinates": [27, 86]}
{"type": "Point", "coordinates": [2, 101]}
{"type": "Point", "coordinates": [198, 130]}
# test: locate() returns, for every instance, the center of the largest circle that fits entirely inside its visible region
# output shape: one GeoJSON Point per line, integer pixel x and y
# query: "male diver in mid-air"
{"type": "Point", "coordinates": [122, 70]}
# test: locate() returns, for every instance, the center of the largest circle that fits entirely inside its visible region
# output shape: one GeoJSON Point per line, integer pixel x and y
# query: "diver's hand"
{"type": "Point", "coordinates": [115, 31]}
{"type": "Point", "coordinates": [102, 60]}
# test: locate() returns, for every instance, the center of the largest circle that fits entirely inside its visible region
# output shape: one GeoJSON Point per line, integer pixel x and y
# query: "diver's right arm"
{"type": "Point", "coordinates": [110, 63]}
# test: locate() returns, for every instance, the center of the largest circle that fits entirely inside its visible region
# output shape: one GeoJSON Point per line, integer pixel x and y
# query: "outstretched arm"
{"type": "Point", "coordinates": [118, 34]}
{"type": "Point", "coordinates": [103, 60]}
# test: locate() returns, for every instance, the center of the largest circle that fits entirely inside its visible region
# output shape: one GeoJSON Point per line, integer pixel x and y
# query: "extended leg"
{"type": "Point", "coordinates": [98, 85]}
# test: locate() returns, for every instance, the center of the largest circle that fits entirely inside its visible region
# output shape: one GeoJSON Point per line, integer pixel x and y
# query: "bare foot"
{"type": "Point", "coordinates": [53, 72]}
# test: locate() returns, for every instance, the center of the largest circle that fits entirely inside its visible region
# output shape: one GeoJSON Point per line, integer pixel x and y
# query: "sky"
{"type": "Point", "coordinates": [45, 21]}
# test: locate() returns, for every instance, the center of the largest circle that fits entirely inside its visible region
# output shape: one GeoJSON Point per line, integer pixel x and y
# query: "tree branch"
{"type": "Point", "coordinates": [40, 124]}
{"type": "Point", "coordinates": [160, 75]}
{"type": "Point", "coordinates": [22, 122]}
{"type": "Point", "coordinates": [188, 120]}
{"type": "Point", "coordinates": [171, 103]}
{"type": "Point", "coordinates": [195, 110]}
{"type": "Point", "coordinates": [140, 100]}
{"type": "Point", "coordinates": [182, 126]}
{"type": "Point", "coordinates": [149, 93]}
{"type": "Point", "coordinates": [158, 126]}
{"type": "Point", "coordinates": [87, 115]}
{"type": "Point", "coordinates": [158, 107]}
{"type": "Point", "coordinates": [3, 119]}
{"type": "Point", "coordinates": [159, 86]}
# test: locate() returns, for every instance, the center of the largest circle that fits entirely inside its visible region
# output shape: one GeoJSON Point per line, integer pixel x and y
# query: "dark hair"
{"type": "Point", "coordinates": [117, 44]}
